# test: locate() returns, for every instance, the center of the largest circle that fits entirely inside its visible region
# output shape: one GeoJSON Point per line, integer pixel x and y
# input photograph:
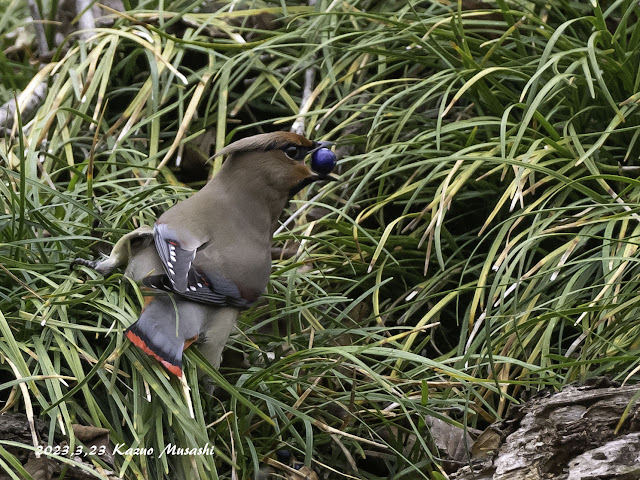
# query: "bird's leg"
{"type": "Point", "coordinates": [213, 339]}
{"type": "Point", "coordinates": [216, 333]}
{"type": "Point", "coordinates": [120, 254]}
{"type": "Point", "coordinates": [189, 341]}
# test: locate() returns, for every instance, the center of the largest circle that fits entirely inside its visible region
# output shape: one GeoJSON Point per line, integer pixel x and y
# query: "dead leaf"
{"type": "Point", "coordinates": [40, 468]}
{"type": "Point", "coordinates": [96, 440]}
{"type": "Point", "coordinates": [486, 444]}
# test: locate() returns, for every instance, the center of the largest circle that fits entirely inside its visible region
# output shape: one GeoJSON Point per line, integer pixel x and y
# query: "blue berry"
{"type": "Point", "coordinates": [284, 456]}
{"type": "Point", "coordinates": [323, 160]}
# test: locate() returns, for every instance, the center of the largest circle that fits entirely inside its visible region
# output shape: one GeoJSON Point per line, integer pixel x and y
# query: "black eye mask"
{"type": "Point", "coordinates": [299, 152]}
{"type": "Point", "coordinates": [295, 152]}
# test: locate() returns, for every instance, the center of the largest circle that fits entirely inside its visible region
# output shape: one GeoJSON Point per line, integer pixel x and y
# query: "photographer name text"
{"type": "Point", "coordinates": [169, 449]}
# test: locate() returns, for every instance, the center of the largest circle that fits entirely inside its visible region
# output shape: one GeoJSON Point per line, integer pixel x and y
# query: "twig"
{"type": "Point", "coordinates": [29, 103]}
{"type": "Point", "coordinates": [86, 22]}
{"type": "Point", "coordinates": [309, 79]}
{"type": "Point", "coordinates": [41, 36]}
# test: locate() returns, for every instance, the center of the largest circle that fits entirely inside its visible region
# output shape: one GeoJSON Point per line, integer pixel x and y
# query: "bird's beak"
{"type": "Point", "coordinates": [319, 145]}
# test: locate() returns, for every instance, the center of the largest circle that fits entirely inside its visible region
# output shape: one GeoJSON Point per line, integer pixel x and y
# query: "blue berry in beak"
{"type": "Point", "coordinates": [323, 161]}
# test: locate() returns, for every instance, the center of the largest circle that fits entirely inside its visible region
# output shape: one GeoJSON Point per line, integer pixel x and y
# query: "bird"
{"type": "Point", "coordinates": [208, 257]}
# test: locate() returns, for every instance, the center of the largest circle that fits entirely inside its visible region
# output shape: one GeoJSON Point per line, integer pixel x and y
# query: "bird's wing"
{"type": "Point", "coordinates": [177, 260]}
{"type": "Point", "coordinates": [202, 289]}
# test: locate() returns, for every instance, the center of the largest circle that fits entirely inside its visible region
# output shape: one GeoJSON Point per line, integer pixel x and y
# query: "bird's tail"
{"type": "Point", "coordinates": [165, 328]}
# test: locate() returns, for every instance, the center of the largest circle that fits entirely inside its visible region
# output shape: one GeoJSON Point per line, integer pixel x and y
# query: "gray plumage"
{"type": "Point", "coordinates": [210, 255]}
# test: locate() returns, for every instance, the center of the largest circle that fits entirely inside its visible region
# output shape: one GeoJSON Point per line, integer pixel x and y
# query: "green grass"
{"type": "Point", "coordinates": [482, 244]}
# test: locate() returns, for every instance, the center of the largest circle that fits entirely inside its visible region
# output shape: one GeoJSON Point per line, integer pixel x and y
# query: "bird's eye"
{"type": "Point", "coordinates": [293, 152]}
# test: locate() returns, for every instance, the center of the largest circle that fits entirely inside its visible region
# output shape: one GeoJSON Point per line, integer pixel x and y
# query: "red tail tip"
{"type": "Point", "coordinates": [138, 342]}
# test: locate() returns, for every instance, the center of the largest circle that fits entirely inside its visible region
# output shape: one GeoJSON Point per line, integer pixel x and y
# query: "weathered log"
{"type": "Point", "coordinates": [584, 432]}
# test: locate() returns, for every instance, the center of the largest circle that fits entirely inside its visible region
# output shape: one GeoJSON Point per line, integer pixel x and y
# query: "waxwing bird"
{"type": "Point", "coordinates": [209, 256]}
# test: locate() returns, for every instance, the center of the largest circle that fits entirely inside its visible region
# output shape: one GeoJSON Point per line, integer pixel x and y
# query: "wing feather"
{"type": "Point", "coordinates": [177, 261]}
{"type": "Point", "coordinates": [201, 289]}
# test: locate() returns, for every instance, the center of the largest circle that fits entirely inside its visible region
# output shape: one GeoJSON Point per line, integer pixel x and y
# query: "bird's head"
{"type": "Point", "coordinates": [278, 159]}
